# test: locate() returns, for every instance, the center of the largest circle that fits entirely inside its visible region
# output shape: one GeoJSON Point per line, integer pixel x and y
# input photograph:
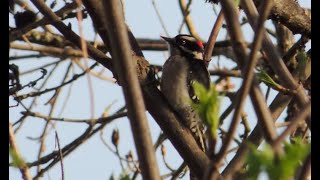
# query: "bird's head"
{"type": "Point", "coordinates": [185, 45]}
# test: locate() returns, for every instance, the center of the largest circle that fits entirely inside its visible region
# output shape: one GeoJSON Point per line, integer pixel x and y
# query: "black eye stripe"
{"type": "Point", "coordinates": [191, 45]}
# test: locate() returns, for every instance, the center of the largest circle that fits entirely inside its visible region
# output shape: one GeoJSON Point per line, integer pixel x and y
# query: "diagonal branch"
{"type": "Point", "coordinates": [290, 14]}
{"type": "Point", "coordinates": [294, 123]}
{"type": "Point", "coordinates": [277, 106]}
{"type": "Point", "coordinates": [213, 37]}
{"type": "Point", "coordinates": [187, 19]}
{"type": "Point", "coordinates": [24, 169]}
{"type": "Point", "coordinates": [272, 53]}
{"type": "Point", "coordinates": [248, 75]}
{"type": "Point", "coordinates": [72, 37]}
{"type": "Point", "coordinates": [17, 33]}
{"type": "Point", "coordinates": [180, 137]}
{"type": "Point", "coordinates": [124, 66]}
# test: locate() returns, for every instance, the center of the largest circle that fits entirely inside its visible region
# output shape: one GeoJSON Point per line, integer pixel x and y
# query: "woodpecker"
{"type": "Point", "coordinates": [185, 66]}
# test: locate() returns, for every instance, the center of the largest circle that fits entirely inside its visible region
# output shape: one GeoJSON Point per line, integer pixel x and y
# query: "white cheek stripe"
{"type": "Point", "coordinates": [196, 54]}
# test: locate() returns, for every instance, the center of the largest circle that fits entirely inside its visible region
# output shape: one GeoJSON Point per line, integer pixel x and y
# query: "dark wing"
{"type": "Point", "coordinates": [198, 72]}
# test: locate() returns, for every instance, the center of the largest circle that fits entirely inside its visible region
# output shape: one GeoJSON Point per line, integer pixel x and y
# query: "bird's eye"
{"type": "Point", "coordinates": [183, 42]}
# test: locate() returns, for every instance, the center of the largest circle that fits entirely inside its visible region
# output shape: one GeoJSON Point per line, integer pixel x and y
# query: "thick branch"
{"type": "Point", "coordinates": [290, 14]}
{"type": "Point", "coordinates": [180, 137]}
{"type": "Point", "coordinates": [272, 53]}
{"type": "Point", "coordinates": [124, 66]}
{"type": "Point", "coordinates": [277, 106]}
{"type": "Point", "coordinates": [256, 95]}
{"type": "Point", "coordinates": [48, 39]}
{"type": "Point", "coordinates": [17, 33]}
{"type": "Point", "coordinates": [72, 37]}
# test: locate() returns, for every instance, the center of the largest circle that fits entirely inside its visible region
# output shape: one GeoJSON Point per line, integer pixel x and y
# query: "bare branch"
{"type": "Point", "coordinates": [15, 34]}
{"type": "Point", "coordinates": [87, 121]}
{"type": "Point", "coordinates": [60, 154]}
{"type": "Point", "coordinates": [213, 37]}
{"type": "Point", "coordinates": [277, 106]}
{"type": "Point", "coordinates": [234, 30]}
{"type": "Point", "coordinates": [292, 15]}
{"type": "Point", "coordinates": [294, 123]}
{"type": "Point", "coordinates": [73, 37]}
{"type": "Point", "coordinates": [180, 136]}
{"type": "Point", "coordinates": [24, 169]}
{"type": "Point", "coordinates": [306, 169]}
{"type": "Point", "coordinates": [277, 63]}
{"type": "Point", "coordinates": [122, 61]}
{"type": "Point", "coordinates": [188, 20]}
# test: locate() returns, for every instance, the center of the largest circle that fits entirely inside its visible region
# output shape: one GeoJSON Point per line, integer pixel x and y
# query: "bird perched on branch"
{"type": "Point", "coordinates": [185, 66]}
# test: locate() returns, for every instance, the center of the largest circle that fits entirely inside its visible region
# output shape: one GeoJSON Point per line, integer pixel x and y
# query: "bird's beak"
{"type": "Point", "coordinates": [169, 40]}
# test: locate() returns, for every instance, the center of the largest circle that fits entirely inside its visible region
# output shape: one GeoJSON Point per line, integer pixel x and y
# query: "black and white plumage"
{"type": "Point", "coordinates": [184, 66]}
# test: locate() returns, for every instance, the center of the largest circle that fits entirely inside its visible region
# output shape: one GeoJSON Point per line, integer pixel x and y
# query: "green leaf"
{"type": "Point", "coordinates": [264, 77]}
{"type": "Point", "coordinates": [124, 177]}
{"type": "Point", "coordinates": [294, 155]}
{"type": "Point", "coordinates": [277, 167]}
{"type": "Point", "coordinates": [258, 160]}
{"type": "Point", "coordinates": [17, 161]}
{"type": "Point", "coordinates": [209, 106]}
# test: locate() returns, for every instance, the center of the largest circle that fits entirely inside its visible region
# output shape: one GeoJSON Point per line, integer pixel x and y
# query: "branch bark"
{"type": "Point", "coordinates": [124, 66]}
{"type": "Point", "coordinates": [275, 61]}
{"type": "Point", "coordinates": [277, 106]}
{"type": "Point", "coordinates": [180, 137]}
{"type": "Point", "coordinates": [290, 14]}
{"type": "Point", "coordinates": [24, 169]}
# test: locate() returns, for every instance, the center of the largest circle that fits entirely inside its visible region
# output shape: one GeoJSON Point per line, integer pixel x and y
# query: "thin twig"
{"type": "Point", "coordinates": [213, 37]}
{"type": "Point", "coordinates": [277, 106]}
{"type": "Point", "coordinates": [180, 137]}
{"type": "Point", "coordinates": [66, 52]}
{"type": "Point", "coordinates": [176, 174]}
{"type": "Point", "coordinates": [15, 34]}
{"type": "Point", "coordinates": [294, 122]}
{"type": "Point", "coordinates": [104, 142]}
{"type": "Point", "coordinates": [24, 169]}
{"type": "Point", "coordinates": [53, 103]}
{"type": "Point", "coordinates": [65, 102]}
{"type": "Point", "coordinates": [187, 19]}
{"type": "Point", "coordinates": [70, 147]}
{"type": "Point", "coordinates": [277, 63]}
{"type": "Point", "coordinates": [97, 74]}
{"type": "Point", "coordinates": [69, 34]}
{"type": "Point", "coordinates": [61, 155]}
{"type": "Point", "coordinates": [87, 121]}
{"type": "Point", "coordinates": [21, 120]}
{"type": "Point", "coordinates": [159, 17]}
{"type": "Point", "coordinates": [26, 57]}
{"type": "Point", "coordinates": [263, 113]}
{"type": "Point", "coordinates": [41, 67]}
{"type": "Point", "coordinates": [244, 90]}
{"type": "Point", "coordinates": [75, 77]}
{"type": "Point", "coordinates": [163, 153]}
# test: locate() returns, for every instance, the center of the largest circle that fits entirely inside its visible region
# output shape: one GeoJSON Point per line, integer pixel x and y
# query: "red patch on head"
{"type": "Point", "coordinates": [200, 44]}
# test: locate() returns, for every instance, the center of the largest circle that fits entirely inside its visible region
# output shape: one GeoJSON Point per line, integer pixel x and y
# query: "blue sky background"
{"type": "Point", "coordinates": [92, 160]}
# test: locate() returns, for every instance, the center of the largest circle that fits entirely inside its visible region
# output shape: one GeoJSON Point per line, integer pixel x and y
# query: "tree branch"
{"type": "Point", "coordinates": [277, 106]}
{"type": "Point", "coordinates": [24, 169]}
{"type": "Point", "coordinates": [125, 68]}
{"type": "Point", "coordinates": [180, 137]}
{"type": "Point", "coordinates": [272, 53]}
{"type": "Point", "coordinates": [290, 14]}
